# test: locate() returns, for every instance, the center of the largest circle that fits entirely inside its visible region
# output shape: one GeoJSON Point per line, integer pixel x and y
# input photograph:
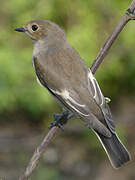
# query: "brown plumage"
{"type": "Point", "coordinates": [62, 71]}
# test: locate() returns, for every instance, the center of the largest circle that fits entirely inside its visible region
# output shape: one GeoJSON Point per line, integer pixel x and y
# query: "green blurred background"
{"type": "Point", "coordinates": [26, 109]}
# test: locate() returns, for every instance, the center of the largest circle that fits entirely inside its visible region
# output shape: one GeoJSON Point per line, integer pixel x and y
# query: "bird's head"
{"type": "Point", "coordinates": [41, 29]}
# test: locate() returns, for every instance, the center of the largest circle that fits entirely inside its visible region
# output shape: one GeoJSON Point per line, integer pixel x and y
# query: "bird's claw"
{"type": "Point", "coordinates": [60, 119]}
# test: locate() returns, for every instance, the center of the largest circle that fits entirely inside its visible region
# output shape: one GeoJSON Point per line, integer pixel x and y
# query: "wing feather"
{"type": "Point", "coordinates": [100, 100]}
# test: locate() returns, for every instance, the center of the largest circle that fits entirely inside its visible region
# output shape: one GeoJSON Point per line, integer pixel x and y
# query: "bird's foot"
{"type": "Point", "coordinates": [61, 119]}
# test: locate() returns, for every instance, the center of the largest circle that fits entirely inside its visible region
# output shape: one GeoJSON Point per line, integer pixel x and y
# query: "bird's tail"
{"type": "Point", "coordinates": [117, 153]}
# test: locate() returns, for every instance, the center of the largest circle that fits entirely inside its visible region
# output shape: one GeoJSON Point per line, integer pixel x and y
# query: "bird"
{"type": "Point", "coordinates": [61, 70]}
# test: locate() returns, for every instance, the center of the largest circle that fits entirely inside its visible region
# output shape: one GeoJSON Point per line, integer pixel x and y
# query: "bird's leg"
{"type": "Point", "coordinates": [61, 119]}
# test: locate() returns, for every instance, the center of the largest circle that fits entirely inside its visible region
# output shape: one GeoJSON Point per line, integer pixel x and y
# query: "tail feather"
{"type": "Point", "coordinates": [115, 150]}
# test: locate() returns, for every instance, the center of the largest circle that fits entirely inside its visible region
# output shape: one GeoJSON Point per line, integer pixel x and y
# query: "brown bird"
{"type": "Point", "coordinates": [62, 71]}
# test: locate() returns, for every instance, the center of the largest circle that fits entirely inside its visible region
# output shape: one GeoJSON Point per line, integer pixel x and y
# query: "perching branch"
{"type": "Point", "coordinates": [129, 15]}
{"type": "Point", "coordinates": [38, 153]}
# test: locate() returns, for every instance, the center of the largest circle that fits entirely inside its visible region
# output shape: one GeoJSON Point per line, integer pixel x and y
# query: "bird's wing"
{"type": "Point", "coordinates": [100, 100]}
{"type": "Point", "coordinates": [60, 73]}
{"type": "Point", "coordinates": [73, 103]}
{"type": "Point", "coordinates": [52, 81]}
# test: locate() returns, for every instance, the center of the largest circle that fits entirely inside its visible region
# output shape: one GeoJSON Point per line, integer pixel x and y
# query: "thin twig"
{"type": "Point", "coordinates": [38, 152]}
{"type": "Point", "coordinates": [108, 44]}
{"type": "Point", "coordinates": [129, 15]}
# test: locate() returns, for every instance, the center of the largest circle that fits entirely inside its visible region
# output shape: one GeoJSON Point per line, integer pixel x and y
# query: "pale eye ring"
{"type": "Point", "coordinates": [34, 27]}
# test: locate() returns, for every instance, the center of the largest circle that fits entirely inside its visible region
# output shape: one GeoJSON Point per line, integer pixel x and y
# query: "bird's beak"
{"type": "Point", "coordinates": [20, 29]}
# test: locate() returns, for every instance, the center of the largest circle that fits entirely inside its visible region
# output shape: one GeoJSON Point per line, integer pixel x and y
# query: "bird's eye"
{"type": "Point", "coordinates": [34, 27]}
